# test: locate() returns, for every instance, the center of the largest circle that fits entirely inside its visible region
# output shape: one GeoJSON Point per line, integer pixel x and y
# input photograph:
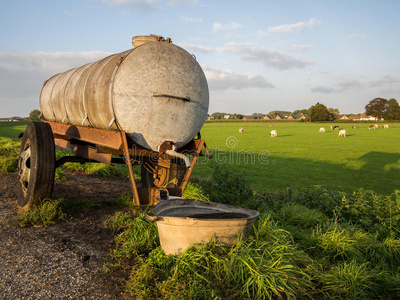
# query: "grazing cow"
{"type": "Point", "coordinates": [342, 133]}
{"type": "Point", "coordinates": [240, 130]}
{"type": "Point", "coordinates": [373, 127]}
{"type": "Point", "coordinates": [354, 126]}
{"type": "Point", "coordinates": [335, 127]}
{"type": "Point", "coordinates": [386, 126]}
{"type": "Point", "coordinates": [273, 133]}
{"type": "Point", "coordinates": [322, 129]}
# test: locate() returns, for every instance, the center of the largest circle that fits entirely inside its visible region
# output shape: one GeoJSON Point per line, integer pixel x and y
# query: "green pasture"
{"type": "Point", "coordinates": [301, 157]}
{"type": "Point", "coordinates": [12, 129]}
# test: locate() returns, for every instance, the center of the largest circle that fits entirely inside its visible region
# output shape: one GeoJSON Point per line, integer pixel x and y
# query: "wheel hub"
{"type": "Point", "coordinates": [24, 169]}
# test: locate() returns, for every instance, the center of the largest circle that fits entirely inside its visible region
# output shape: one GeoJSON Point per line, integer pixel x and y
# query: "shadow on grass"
{"type": "Point", "coordinates": [380, 172]}
{"type": "Point", "coordinates": [379, 161]}
{"type": "Point", "coordinates": [284, 135]}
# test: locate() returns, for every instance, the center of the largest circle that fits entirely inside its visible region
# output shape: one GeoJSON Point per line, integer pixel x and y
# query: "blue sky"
{"type": "Point", "coordinates": [258, 56]}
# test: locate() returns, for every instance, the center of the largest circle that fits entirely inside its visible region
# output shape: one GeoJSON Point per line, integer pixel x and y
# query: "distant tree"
{"type": "Point", "coordinates": [218, 115]}
{"type": "Point", "coordinates": [376, 107]}
{"type": "Point", "coordinates": [280, 113]}
{"type": "Point", "coordinates": [318, 113]}
{"type": "Point", "coordinates": [334, 112]}
{"type": "Point", "coordinates": [300, 111]}
{"type": "Point", "coordinates": [238, 116]}
{"type": "Point", "coordinates": [258, 114]}
{"type": "Point", "coordinates": [34, 115]}
{"type": "Point", "coordinates": [392, 110]}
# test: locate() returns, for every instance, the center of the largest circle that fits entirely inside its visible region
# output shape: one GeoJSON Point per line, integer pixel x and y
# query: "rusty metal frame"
{"type": "Point", "coordinates": [100, 145]}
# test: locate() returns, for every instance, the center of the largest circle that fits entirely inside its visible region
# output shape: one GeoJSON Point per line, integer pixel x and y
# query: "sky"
{"type": "Point", "coordinates": [257, 55]}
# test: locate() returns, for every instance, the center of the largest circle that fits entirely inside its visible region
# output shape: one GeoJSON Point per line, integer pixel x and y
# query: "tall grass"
{"type": "Point", "coordinates": [253, 269]}
{"type": "Point", "coordinates": [12, 129]}
{"type": "Point", "coordinates": [302, 245]}
{"type": "Point", "coordinates": [45, 214]}
{"type": "Point", "coordinates": [9, 149]}
{"type": "Point", "coordinates": [322, 231]}
{"type": "Point", "coordinates": [350, 280]}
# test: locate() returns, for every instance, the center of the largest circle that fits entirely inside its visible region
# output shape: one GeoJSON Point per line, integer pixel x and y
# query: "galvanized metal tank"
{"type": "Point", "coordinates": [154, 92]}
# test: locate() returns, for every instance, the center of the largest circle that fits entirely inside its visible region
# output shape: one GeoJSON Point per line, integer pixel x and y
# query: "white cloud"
{"type": "Point", "coordinates": [323, 89]}
{"type": "Point", "coordinates": [226, 27]}
{"type": "Point", "coordinates": [385, 84]}
{"type": "Point", "coordinates": [356, 35]}
{"type": "Point", "coordinates": [345, 85]}
{"type": "Point", "coordinates": [301, 47]}
{"type": "Point", "coordinates": [22, 73]}
{"type": "Point", "coordinates": [384, 80]}
{"type": "Point", "coordinates": [226, 79]}
{"type": "Point", "coordinates": [191, 19]}
{"type": "Point", "coordinates": [291, 28]}
{"type": "Point", "coordinates": [196, 48]}
{"type": "Point", "coordinates": [268, 57]}
{"type": "Point", "coordinates": [183, 2]}
{"type": "Point", "coordinates": [348, 84]}
{"type": "Point", "coordinates": [148, 5]}
{"type": "Point", "coordinates": [48, 61]}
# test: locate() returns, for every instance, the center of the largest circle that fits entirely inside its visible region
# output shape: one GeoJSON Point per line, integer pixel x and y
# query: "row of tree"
{"type": "Point", "coordinates": [381, 108]}
{"type": "Point", "coordinates": [221, 115]}
{"type": "Point", "coordinates": [318, 112]}
{"type": "Point", "coordinates": [378, 108]}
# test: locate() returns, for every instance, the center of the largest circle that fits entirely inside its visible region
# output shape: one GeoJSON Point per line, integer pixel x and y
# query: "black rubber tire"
{"type": "Point", "coordinates": [36, 165]}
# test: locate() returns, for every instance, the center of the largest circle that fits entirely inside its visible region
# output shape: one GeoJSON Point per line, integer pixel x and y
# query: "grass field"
{"type": "Point", "coordinates": [301, 156]}
{"type": "Point", "coordinates": [309, 243]}
{"type": "Point", "coordinates": [12, 129]}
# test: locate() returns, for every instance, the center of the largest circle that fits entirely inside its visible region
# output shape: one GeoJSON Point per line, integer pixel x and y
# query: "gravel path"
{"type": "Point", "coordinates": [63, 261]}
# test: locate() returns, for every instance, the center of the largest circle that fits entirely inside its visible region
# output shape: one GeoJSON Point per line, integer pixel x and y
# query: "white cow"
{"type": "Point", "coordinates": [342, 133]}
{"type": "Point", "coordinates": [240, 130]}
{"type": "Point", "coordinates": [386, 126]}
{"type": "Point", "coordinates": [322, 129]}
{"type": "Point", "coordinates": [273, 133]}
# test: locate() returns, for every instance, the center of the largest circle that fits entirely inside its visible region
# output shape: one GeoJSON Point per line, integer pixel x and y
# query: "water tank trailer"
{"type": "Point", "coordinates": [144, 106]}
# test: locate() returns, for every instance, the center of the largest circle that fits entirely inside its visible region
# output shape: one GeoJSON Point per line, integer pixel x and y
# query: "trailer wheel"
{"type": "Point", "coordinates": [147, 177]}
{"type": "Point", "coordinates": [176, 173]}
{"type": "Point", "coordinates": [36, 165]}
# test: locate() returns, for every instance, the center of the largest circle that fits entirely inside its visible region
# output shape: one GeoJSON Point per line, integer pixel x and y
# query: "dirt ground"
{"type": "Point", "coordinates": [65, 260]}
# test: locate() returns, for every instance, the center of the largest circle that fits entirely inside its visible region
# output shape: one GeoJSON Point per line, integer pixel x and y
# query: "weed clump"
{"type": "Point", "coordinates": [194, 191]}
{"type": "Point", "coordinates": [139, 238]}
{"type": "Point", "coordinates": [310, 242]}
{"type": "Point", "coordinates": [45, 214]}
{"type": "Point", "coordinates": [9, 149]}
{"type": "Point", "coordinates": [229, 187]}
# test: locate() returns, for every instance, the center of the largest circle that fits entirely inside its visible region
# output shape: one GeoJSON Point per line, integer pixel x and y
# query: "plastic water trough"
{"type": "Point", "coordinates": [183, 222]}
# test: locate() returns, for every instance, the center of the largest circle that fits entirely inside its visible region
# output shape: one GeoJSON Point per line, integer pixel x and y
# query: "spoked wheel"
{"type": "Point", "coordinates": [36, 165]}
{"type": "Point", "coordinates": [176, 173]}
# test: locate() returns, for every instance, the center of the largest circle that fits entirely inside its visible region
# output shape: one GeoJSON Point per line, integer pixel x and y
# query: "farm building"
{"type": "Point", "coordinates": [251, 117]}
{"type": "Point", "coordinates": [13, 119]}
{"type": "Point", "coordinates": [362, 117]}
